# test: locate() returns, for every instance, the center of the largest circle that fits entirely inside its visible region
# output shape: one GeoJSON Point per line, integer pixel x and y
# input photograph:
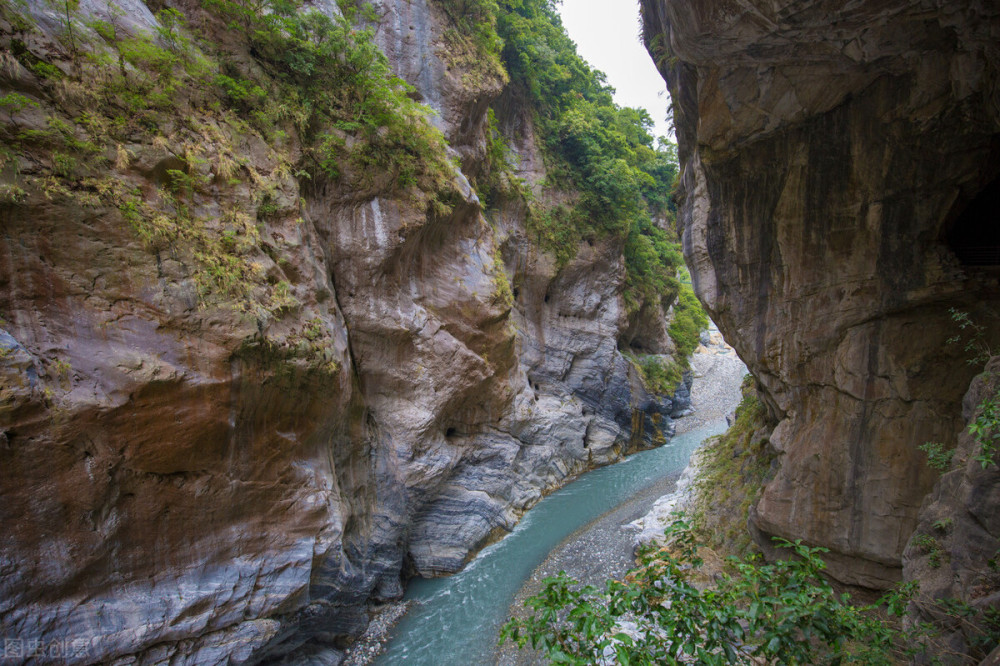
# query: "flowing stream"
{"type": "Point", "coordinates": [456, 620]}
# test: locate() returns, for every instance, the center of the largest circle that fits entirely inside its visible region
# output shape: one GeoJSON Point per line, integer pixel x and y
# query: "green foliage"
{"type": "Point", "coordinates": [62, 368]}
{"type": "Point", "coordinates": [502, 294]}
{"type": "Point", "coordinates": [309, 75]}
{"type": "Point", "coordinates": [785, 612]}
{"type": "Point", "coordinates": [986, 430]}
{"type": "Point", "coordinates": [653, 259]}
{"type": "Point", "coordinates": [11, 194]}
{"type": "Point", "coordinates": [334, 82]}
{"type": "Point", "coordinates": [595, 148]}
{"type": "Point", "coordinates": [980, 624]}
{"type": "Point", "coordinates": [472, 43]}
{"type": "Point", "coordinates": [241, 94]}
{"type": "Point", "coordinates": [313, 329]}
{"type": "Point", "coordinates": [938, 457]}
{"type": "Point", "coordinates": [689, 321]}
{"type": "Point", "coordinates": [928, 545]}
{"type": "Point", "coordinates": [972, 337]}
{"type": "Point", "coordinates": [732, 471]}
{"type": "Point", "coordinates": [64, 165]}
{"type": "Point", "coordinates": [478, 18]}
{"type": "Point", "coordinates": [66, 10]}
{"type": "Point", "coordinates": [224, 256]}
{"type": "Point", "coordinates": [497, 177]}
{"type": "Point", "coordinates": [296, 358]}
{"type": "Point", "coordinates": [942, 525]}
{"type": "Point", "coordinates": [556, 229]}
{"type": "Point", "coordinates": [13, 103]}
{"type": "Point", "coordinates": [660, 374]}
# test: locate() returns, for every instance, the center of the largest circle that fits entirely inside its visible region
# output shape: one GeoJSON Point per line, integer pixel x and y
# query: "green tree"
{"type": "Point", "coordinates": [604, 152]}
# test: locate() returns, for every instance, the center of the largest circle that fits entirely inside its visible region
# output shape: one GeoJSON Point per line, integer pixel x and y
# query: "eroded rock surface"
{"type": "Point", "coordinates": [953, 555]}
{"type": "Point", "coordinates": [839, 188]}
{"type": "Point", "coordinates": [193, 481]}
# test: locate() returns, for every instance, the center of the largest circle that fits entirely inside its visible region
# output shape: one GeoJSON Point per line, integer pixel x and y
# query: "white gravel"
{"type": "Point", "coordinates": [372, 642]}
{"type": "Point", "coordinates": [718, 373]}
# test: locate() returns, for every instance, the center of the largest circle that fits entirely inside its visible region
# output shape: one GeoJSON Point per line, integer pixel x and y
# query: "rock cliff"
{"type": "Point", "coordinates": [245, 389]}
{"type": "Point", "coordinates": [839, 198]}
{"type": "Point", "coordinates": [955, 549]}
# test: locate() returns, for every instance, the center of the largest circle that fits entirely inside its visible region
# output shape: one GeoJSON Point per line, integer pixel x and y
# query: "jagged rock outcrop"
{"type": "Point", "coordinates": [839, 195]}
{"type": "Point", "coordinates": [955, 550]}
{"type": "Point", "coordinates": [223, 464]}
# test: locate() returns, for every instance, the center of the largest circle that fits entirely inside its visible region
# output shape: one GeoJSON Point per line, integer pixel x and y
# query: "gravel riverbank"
{"type": "Point", "coordinates": [604, 549]}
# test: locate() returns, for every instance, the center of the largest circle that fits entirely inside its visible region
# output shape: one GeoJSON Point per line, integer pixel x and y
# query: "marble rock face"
{"type": "Point", "coordinates": [192, 483]}
{"type": "Point", "coordinates": [840, 195]}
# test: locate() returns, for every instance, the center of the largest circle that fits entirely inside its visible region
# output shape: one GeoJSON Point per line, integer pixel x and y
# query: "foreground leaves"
{"type": "Point", "coordinates": [784, 612]}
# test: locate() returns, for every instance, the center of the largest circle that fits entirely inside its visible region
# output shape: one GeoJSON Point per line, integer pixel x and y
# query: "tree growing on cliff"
{"type": "Point", "coordinates": [604, 154]}
{"type": "Point", "coordinates": [785, 612]}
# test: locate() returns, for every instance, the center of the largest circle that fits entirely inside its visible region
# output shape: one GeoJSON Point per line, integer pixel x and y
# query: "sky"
{"type": "Point", "coordinates": [606, 33]}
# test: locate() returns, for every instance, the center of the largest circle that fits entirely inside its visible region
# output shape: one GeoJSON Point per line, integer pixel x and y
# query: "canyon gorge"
{"type": "Point", "coordinates": [245, 395]}
{"type": "Point", "coordinates": [280, 330]}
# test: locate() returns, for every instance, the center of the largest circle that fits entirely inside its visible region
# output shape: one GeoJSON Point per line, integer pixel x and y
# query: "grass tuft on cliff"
{"type": "Point", "coordinates": [661, 375]}
{"type": "Point", "coordinates": [731, 472]}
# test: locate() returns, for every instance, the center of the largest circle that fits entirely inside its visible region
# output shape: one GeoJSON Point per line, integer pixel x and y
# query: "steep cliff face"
{"type": "Point", "coordinates": [839, 183]}
{"type": "Point", "coordinates": [953, 555]}
{"type": "Point", "coordinates": [242, 395]}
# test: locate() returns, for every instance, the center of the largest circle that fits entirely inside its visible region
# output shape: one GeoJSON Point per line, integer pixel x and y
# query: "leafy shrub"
{"type": "Point", "coordinates": [785, 612]}
{"type": "Point", "coordinates": [308, 74]}
{"type": "Point", "coordinates": [556, 229]}
{"type": "Point", "coordinates": [503, 295]}
{"type": "Point", "coordinates": [938, 457]}
{"type": "Point", "coordinates": [972, 337]}
{"type": "Point", "coordinates": [652, 261]}
{"type": "Point", "coordinates": [473, 43]}
{"type": "Point", "coordinates": [13, 103]}
{"type": "Point", "coordinates": [942, 525]}
{"type": "Point", "coordinates": [986, 430]}
{"type": "Point", "coordinates": [660, 374]}
{"type": "Point", "coordinates": [497, 177]}
{"type": "Point", "coordinates": [928, 545]}
{"type": "Point", "coordinates": [478, 17]}
{"type": "Point", "coordinates": [688, 323]}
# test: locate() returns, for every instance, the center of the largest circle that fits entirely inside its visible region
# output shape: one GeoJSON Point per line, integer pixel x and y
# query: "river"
{"type": "Point", "coordinates": [456, 620]}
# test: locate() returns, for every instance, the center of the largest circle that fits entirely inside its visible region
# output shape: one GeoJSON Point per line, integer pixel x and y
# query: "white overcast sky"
{"type": "Point", "coordinates": [606, 33]}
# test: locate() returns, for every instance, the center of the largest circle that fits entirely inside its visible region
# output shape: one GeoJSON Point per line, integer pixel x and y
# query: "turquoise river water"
{"type": "Point", "coordinates": [455, 621]}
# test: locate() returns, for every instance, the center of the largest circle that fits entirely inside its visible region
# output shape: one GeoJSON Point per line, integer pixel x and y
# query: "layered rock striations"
{"type": "Point", "coordinates": [221, 439]}
{"type": "Point", "coordinates": [839, 197]}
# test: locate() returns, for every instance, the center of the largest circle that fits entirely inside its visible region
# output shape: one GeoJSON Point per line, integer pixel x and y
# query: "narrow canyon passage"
{"type": "Point", "coordinates": [579, 528]}
{"type": "Point", "coordinates": [455, 621]}
{"type": "Point", "coordinates": [305, 300]}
